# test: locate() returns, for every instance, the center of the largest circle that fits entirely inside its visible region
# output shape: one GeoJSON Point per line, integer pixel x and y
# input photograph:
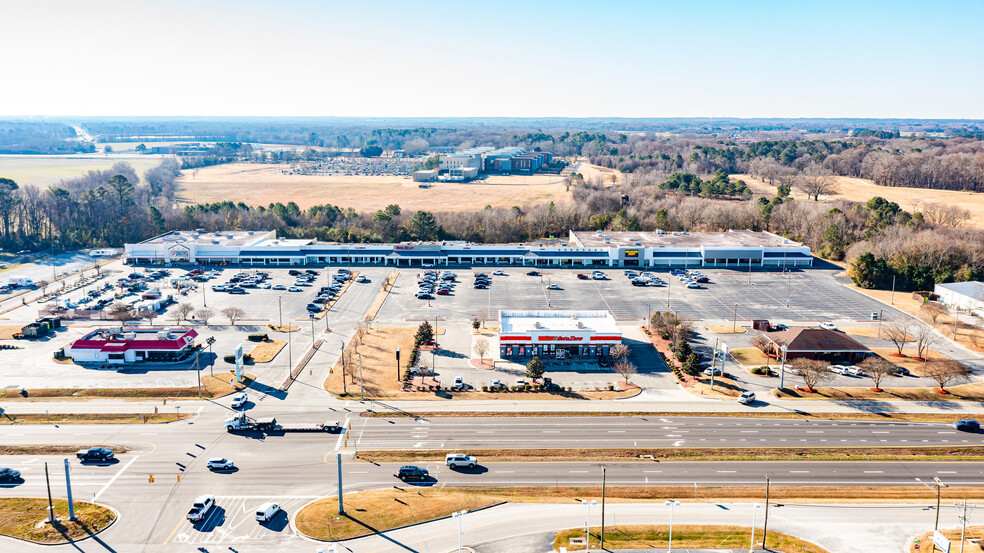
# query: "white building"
{"type": "Point", "coordinates": [557, 334]}
{"type": "Point", "coordinates": [131, 345]}
{"type": "Point", "coordinates": [965, 296]}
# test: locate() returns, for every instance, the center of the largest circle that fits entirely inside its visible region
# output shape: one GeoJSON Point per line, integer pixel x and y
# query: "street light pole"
{"type": "Point", "coordinates": [587, 524]}
{"type": "Point", "coordinates": [459, 515]}
{"type": "Point", "coordinates": [734, 326]}
{"type": "Point", "coordinates": [765, 525]}
{"type": "Point", "coordinates": [939, 484]}
{"type": "Point", "coordinates": [893, 289]}
{"type": "Point", "coordinates": [751, 543]}
{"type": "Point", "coordinates": [671, 504]}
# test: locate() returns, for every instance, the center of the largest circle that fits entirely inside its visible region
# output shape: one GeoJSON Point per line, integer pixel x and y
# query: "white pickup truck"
{"type": "Point", "coordinates": [201, 507]}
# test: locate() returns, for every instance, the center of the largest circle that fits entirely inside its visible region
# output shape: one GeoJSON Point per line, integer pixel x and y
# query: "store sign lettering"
{"type": "Point", "coordinates": [561, 338]}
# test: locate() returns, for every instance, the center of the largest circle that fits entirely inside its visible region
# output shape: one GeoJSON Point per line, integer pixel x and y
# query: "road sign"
{"type": "Point", "coordinates": [940, 541]}
{"type": "Point", "coordinates": [239, 363]}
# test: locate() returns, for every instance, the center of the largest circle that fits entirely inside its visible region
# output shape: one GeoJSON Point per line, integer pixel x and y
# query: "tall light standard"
{"type": "Point", "coordinates": [782, 366]}
{"type": "Point", "coordinates": [587, 523]}
{"type": "Point", "coordinates": [939, 484]}
{"type": "Point", "coordinates": [751, 543]}
{"type": "Point", "coordinates": [671, 504]}
{"type": "Point", "coordinates": [459, 515]}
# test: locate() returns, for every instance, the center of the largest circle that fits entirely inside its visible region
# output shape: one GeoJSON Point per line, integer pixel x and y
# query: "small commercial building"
{"type": "Point", "coordinates": [965, 296]}
{"type": "Point", "coordinates": [816, 343]}
{"type": "Point", "coordinates": [557, 335]}
{"type": "Point", "coordinates": [133, 345]}
{"type": "Point", "coordinates": [425, 175]}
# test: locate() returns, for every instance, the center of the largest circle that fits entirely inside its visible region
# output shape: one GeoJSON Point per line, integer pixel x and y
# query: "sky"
{"type": "Point", "coordinates": [565, 58]}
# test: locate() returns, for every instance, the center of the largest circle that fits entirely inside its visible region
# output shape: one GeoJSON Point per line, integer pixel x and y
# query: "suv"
{"type": "Point", "coordinates": [411, 472]}
{"type": "Point", "coordinates": [220, 463]}
{"type": "Point", "coordinates": [455, 460]}
{"type": "Point", "coordinates": [967, 425]}
{"type": "Point", "coordinates": [95, 454]}
{"type": "Point", "coordinates": [746, 397]}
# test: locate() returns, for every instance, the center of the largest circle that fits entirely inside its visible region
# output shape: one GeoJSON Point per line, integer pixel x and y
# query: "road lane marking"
{"type": "Point", "coordinates": [113, 479]}
{"type": "Point", "coordinates": [341, 435]}
{"type": "Point", "coordinates": [873, 471]}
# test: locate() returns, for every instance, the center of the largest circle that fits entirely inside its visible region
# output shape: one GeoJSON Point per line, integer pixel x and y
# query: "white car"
{"type": "Point", "coordinates": [854, 371]}
{"type": "Point", "coordinates": [837, 369]}
{"type": "Point", "coordinates": [293, 289]}
{"type": "Point", "coordinates": [716, 371]}
{"type": "Point", "coordinates": [220, 463]}
{"type": "Point", "coordinates": [459, 382]}
{"type": "Point", "coordinates": [499, 273]}
{"type": "Point", "coordinates": [279, 287]}
{"type": "Point", "coordinates": [554, 287]}
{"type": "Point", "coordinates": [746, 397]}
{"type": "Point", "coordinates": [239, 400]}
{"type": "Point", "coordinates": [693, 285]}
{"type": "Point", "coordinates": [362, 278]}
{"type": "Point", "coordinates": [267, 511]}
{"type": "Point", "coordinates": [828, 326]}
{"type": "Point", "coordinates": [455, 460]}
{"type": "Point", "coordinates": [265, 286]}
{"type": "Point", "coordinates": [219, 288]}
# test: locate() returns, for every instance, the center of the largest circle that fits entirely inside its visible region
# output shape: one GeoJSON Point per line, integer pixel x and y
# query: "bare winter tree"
{"type": "Point", "coordinates": [897, 331]}
{"type": "Point", "coordinates": [945, 372]}
{"type": "Point", "coordinates": [925, 338]}
{"type": "Point", "coordinates": [816, 180]}
{"type": "Point", "coordinates": [619, 352]}
{"type": "Point", "coordinates": [760, 342]}
{"type": "Point", "coordinates": [481, 347]}
{"type": "Point", "coordinates": [233, 314]}
{"type": "Point", "coordinates": [813, 371]}
{"type": "Point", "coordinates": [204, 314]}
{"type": "Point", "coordinates": [120, 312]}
{"type": "Point", "coordinates": [181, 312]}
{"type": "Point", "coordinates": [877, 369]}
{"type": "Point", "coordinates": [483, 314]}
{"type": "Point", "coordinates": [933, 310]}
{"type": "Point", "coordinates": [625, 369]}
{"type": "Point", "coordinates": [945, 215]}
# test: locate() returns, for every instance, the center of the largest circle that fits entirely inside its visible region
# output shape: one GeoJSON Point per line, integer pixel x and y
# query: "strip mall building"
{"type": "Point", "coordinates": [559, 335]}
{"type": "Point", "coordinates": [740, 249]}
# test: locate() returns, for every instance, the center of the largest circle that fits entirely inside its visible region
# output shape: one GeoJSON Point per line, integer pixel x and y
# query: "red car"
{"type": "Point", "coordinates": [196, 272]}
{"type": "Point", "coordinates": [582, 276]}
{"type": "Point", "coordinates": [443, 292]}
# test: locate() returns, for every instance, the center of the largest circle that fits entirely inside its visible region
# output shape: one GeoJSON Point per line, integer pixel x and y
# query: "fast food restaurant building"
{"type": "Point", "coordinates": [557, 335]}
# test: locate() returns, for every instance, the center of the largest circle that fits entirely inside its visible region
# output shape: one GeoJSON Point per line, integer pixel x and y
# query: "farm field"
{"type": "Point", "coordinates": [44, 171]}
{"type": "Point", "coordinates": [862, 190]}
{"type": "Point", "coordinates": [256, 184]}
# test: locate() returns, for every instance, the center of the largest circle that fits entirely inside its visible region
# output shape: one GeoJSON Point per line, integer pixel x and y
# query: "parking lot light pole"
{"type": "Point", "coordinates": [459, 515]}
{"type": "Point", "coordinates": [587, 523]}
{"type": "Point", "coordinates": [782, 367]}
{"type": "Point", "coordinates": [669, 281]}
{"type": "Point", "coordinates": [751, 543]}
{"type": "Point", "coordinates": [734, 326]}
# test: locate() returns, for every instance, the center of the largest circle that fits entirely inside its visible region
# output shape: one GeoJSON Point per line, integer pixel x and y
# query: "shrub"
{"type": "Point", "coordinates": [476, 324]}
{"type": "Point", "coordinates": [485, 388]}
{"type": "Point", "coordinates": [257, 337]}
{"type": "Point", "coordinates": [760, 370]}
{"type": "Point", "coordinates": [611, 387]}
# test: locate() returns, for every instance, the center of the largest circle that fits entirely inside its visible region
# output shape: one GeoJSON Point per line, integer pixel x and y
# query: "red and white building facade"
{"type": "Point", "coordinates": [557, 335]}
{"type": "Point", "coordinates": [133, 345]}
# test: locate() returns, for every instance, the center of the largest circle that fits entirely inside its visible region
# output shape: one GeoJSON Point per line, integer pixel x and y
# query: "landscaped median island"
{"type": "Point", "coordinates": [91, 418]}
{"type": "Point", "coordinates": [66, 450]}
{"type": "Point", "coordinates": [26, 518]}
{"type": "Point", "coordinates": [685, 536]}
{"type": "Point", "coordinates": [798, 414]}
{"type": "Point", "coordinates": [213, 386]}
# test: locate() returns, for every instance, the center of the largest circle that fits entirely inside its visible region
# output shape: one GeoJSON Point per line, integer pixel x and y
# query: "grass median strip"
{"type": "Point", "coordinates": [89, 418]}
{"type": "Point", "coordinates": [212, 386]}
{"type": "Point", "coordinates": [966, 453]}
{"type": "Point", "coordinates": [52, 449]}
{"type": "Point", "coordinates": [20, 518]}
{"type": "Point", "coordinates": [685, 536]}
{"type": "Point", "coordinates": [798, 414]}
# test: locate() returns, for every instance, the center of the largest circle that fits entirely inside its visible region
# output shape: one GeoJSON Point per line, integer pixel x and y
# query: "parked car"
{"type": "Point", "coordinates": [311, 272]}
{"type": "Point", "coordinates": [237, 290]}
{"type": "Point", "coordinates": [902, 371]}
{"type": "Point", "coordinates": [716, 370]}
{"type": "Point", "coordinates": [265, 512]}
{"type": "Point", "coordinates": [220, 463]}
{"type": "Point", "coordinates": [443, 292]}
{"type": "Point", "coordinates": [533, 273]}
{"type": "Point", "coordinates": [425, 296]}
{"type": "Point", "coordinates": [9, 475]}
{"type": "Point", "coordinates": [219, 288]}
{"type": "Point", "coordinates": [967, 425]}
{"type": "Point", "coordinates": [312, 307]}
{"type": "Point", "coordinates": [294, 289]}
{"type": "Point", "coordinates": [279, 287]}
{"type": "Point", "coordinates": [582, 276]}
{"type": "Point", "coordinates": [746, 397]}
{"type": "Point", "coordinates": [455, 460]}
{"type": "Point", "coordinates": [828, 326]}
{"type": "Point", "coordinates": [293, 272]}
{"type": "Point", "coordinates": [599, 276]}
{"type": "Point", "coordinates": [459, 382]}
{"type": "Point", "coordinates": [95, 454]}
{"type": "Point", "coordinates": [239, 400]}
{"type": "Point", "coordinates": [554, 287]}
{"type": "Point", "coordinates": [496, 384]}
{"type": "Point", "coordinates": [694, 285]}
{"type": "Point", "coordinates": [837, 369]}
{"type": "Point", "coordinates": [499, 273]}
{"type": "Point", "coordinates": [854, 371]}
{"type": "Point", "coordinates": [779, 327]}
{"type": "Point", "coordinates": [362, 278]}
{"type": "Point", "coordinates": [412, 472]}
{"type": "Point", "coordinates": [200, 508]}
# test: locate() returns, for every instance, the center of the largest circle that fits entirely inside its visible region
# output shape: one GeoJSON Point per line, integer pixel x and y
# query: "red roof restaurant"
{"type": "Point", "coordinates": [132, 345]}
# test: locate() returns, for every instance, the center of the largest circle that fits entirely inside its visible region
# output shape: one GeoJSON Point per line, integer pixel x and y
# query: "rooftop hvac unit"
{"type": "Point", "coordinates": [116, 329]}
{"type": "Point", "coordinates": [537, 325]}
{"type": "Point", "coordinates": [608, 239]}
{"type": "Point", "coordinates": [130, 336]}
{"type": "Point", "coordinates": [229, 236]}
{"type": "Point", "coordinates": [580, 324]}
{"type": "Point", "coordinates": [598, 232]}
{"type": "Point", "coordinates": [163, 334]}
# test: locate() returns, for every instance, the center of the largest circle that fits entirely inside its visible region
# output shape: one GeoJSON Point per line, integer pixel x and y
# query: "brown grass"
{"type": "Point", "coordinates": [7, 331]}
{"type": "Point", "coordinates": [265, 351]}
{"type": "Point", "coordinates": [798, 414]}
{"type": "Point", "coordinates": [918, 368]}
{"type": "Point", "coordinates": [926, 539]}
{"type": "Point", "coordinates": [380, 510]}
{"type": "Point", "coordinates": [284, 328]}
{"type": "Point", "coordinates": [685, 454]}
{"type": "Point", "coordinates": [66, 450]}
{"type": "Point", "coordinates": [910, 199]}
{"type": "Point", "coordinates": [726, 329]}
{"type": "Point", "coordinates": [212, 387]}
{"type": "Point", "coordinates": [89, 418]}
{"type": "Point", "coordinates": [257, 184]}
{"type": "Point", "coordinates": [685, 536]}
{"type": "Point", "coordinates": [379, 370]}
{"type": "Point", "coordinates": [963, 392]}
{"type": "Point", "coordinates": [724, 388]}
{"type": "Point", "coordinates": [20, 515]}
{"type": "Point", "coordinates": [751, 357]}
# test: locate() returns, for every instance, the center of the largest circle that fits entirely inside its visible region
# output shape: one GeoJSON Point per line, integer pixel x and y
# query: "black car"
{"type": "Point", "coordinates": [311, 272]}
{"type": "Point", "coordinates": [533, 273]}
{"type": "Point", "coordinates": [293, 272]}
{"type": "Point", "coordinates": [902, 371]}
{"type": "Point", "coordinates": [9, 475]}
{"type": "Point", "coordinates": [965, 425]}
{"type": "Point", "coordinates": [411, 472]}
{"type": "Point", "coordinates": [95, 454]}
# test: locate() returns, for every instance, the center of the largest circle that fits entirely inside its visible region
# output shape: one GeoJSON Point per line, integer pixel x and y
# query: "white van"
{"type": "Point", "coordinates": [267, 511]}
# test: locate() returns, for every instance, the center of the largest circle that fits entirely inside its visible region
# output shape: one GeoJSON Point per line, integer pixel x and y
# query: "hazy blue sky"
{"type": "Point", "coordinates": [734, 58]}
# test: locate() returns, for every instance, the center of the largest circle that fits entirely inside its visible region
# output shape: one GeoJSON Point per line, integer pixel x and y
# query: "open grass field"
{"type": "Point", "coordinates": [862, 190]}
{"type": "Point", "coordinates": [20, 515]}
{"type": "Point", "coordinates": [256, 184]}
{"type": "Point", "coordinates": [44, 171]}
{"type": "Point", "coordinates": [685, 536]}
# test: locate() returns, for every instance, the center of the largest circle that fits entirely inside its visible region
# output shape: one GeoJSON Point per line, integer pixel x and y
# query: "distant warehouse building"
{"type": "Point", "coordinates": [425, 175]}
{"type": "Point", "coordinates": [966, 296]}
{"type": "Point", "coordinates": [559, 335]}
{"type": "Point", "coordinates": [131, 345]}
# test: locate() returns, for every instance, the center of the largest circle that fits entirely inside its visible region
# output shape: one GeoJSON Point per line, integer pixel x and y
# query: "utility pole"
{"type": "Point", "coordinates": [714, 363]}
{"type": "Point", "coordinates": [341, 354]}
{"type": "Point", "coordinates": [765, 525]}
{"type": "Point", "coordinates": [963, 525]}
{"type": "Point", "coordinates": [603, 479]}
{"type": "Point", "coordinates": [669, 281]}
{"type": "Point", "coordinates": [893, 289]}
{"type": "Point", "coordinates": [71, 504]}
{"type": "Point", "coordinates": [51, 507]}
{"type": "Point", "coordinates": [341, 506]}
{"type": "Point", "coordinates": [734, 326]}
